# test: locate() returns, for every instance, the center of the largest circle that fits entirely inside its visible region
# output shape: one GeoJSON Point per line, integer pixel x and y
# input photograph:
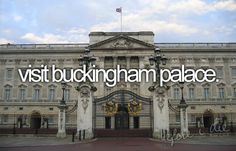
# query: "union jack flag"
{"type": "Point", "coordinates": [119, 10]}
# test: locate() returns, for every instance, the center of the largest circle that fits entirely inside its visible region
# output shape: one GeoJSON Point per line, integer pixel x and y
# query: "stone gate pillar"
{"type": "Point", "coordinates": [61, 133]}
{"type": "Point", "coordinates": [85, 111]}
{"type": "Point", "coordinates": [160, 112]}
{"type": "Point", "coordinates": [184, 121]}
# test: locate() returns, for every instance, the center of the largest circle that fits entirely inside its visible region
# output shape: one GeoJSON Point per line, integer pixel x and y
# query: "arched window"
{"type": "Point", "coordinates": [67, 92]}
{"type": "Point", "coordinates": [51, 92]}
{"type": "Point", "coordinates": [191, 91]}
{"type": "Point", "coordinates": [36, 92]}
{"type": "Point", "coordinates": [176, 91]}
{"type": "Point", "coordinates": [134, 62]}
{"type": "Point", "coordinates": [206, 91]}
{"type": "Point", "coordinates": [221, 90]}
{"type": "Point", "coordinates": [22, 92]}
{"type": "Point", "coordinates": [234, 90]}
{"type": "Point", "coordinates": [7, 92]}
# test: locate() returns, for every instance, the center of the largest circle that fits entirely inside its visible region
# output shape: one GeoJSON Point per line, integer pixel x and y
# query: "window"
{"type": "Point", "coordinates": [193, 118]}
{"type": "Point", "coordinates": [234, 92]}
{"type": "Point", "coordinates": [191, 93]}
{"type": "Point", "coordinates": [123, 75]}
{"type": "Point", "coordinates": [219, 72]}
{"type": "Point", "coordinates": [67, 94]}
{"type": "Point", "coordinates": [36, 94]}
{"type": "Point", "coordinates": [111, 75]}
{"type": "Point", "coordinates": [68, 73]}
{"type": "Point", "coordinates": [221, 92]}
{"type": "Point", "coordinates": [177, 118]}
{"type": "Point", "coordinates": [51, 95]}
{"type": "Point", "coordinates": [7, 93]}
{"type": "Point", "coordinates": [176, 93]}
{"type": "Point", "coordinates": [50, 119]}
{"type": "Point", "coordinates": [5, 118]}
{"type": "Point", "coordinates": [22, 94]}
{"type": "Point", "coordinates": [206, 93]}
{"type": "Point", "coordinates": [233, 72]}
{"type": "Point", "coordinates": [9, 73]}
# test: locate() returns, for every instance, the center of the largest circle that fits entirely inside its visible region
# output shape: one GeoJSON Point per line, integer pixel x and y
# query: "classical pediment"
{"type": "Point", "coordinates": [121, 42]}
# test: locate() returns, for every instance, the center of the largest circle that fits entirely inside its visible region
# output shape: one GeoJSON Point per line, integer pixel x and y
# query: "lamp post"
{"type": "Point", "coordinates": [160, 100]}
{"type": "Point", "coordinates": [157, 59]}
{"type": "Point", "coordinates": [183, 112]}
{"type": "Point", "coordinates": [231, 118]}
{"type": "Point", "coordinates": [63, 85]}
{"type": "Point", "coordinates": [14, 125]}
{"type": "Point", "coordinates": [62, 114]}
{"type": "Point", "coordinates": [87, 59]}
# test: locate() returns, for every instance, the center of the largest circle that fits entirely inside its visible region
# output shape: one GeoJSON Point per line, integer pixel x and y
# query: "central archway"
{"type": "Point", "coordinates": [122, 118]}
{"type": "Point", "coordinates": [208, 118]}
{"type": "Point", "coordinates": [35, 120]}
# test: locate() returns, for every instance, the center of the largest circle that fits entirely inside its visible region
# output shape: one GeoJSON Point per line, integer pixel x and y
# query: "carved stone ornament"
{"type": "Point", "coordinates": [134, 108]}
{"type": "Point", "coordinates": [84, 94]}
{"type": "Point", "coordinates": [85, 104]}
{"type": "Point", "coordinates": [161, 101]}
{"type": "Point", "coordinates": [110, 108]}
{"type": "Point", "coordinates": [121, 43]}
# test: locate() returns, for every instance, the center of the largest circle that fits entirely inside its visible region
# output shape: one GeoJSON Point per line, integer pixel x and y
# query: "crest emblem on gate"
{"type": "Point", "coordinates": [110, 108]}
{"type": "Point", "coordinates": [134, 108]}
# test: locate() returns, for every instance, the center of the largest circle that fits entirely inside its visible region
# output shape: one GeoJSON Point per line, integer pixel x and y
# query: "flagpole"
{"type": "Point", "coordinates": [119, 10]}
{"type": "Point", "coordinates": [121, 20]}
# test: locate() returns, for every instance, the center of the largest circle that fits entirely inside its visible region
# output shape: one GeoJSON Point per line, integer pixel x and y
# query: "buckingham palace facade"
{"type": "Point", "coordinates": [35, 105]}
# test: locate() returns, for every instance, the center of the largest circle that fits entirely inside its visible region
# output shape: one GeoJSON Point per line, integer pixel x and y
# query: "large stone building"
{"type": "Point", "coordinates": [34, 105]}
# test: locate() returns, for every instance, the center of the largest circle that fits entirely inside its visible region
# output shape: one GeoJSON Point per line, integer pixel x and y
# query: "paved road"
{"type": "Point", "coordinates": [122, 144]}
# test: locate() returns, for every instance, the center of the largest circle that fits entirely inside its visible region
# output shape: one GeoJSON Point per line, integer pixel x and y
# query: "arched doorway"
{"type": "Point", "coordinates": [19, 122]}
{"type": "Point", "coordinates": [35, 121]}
{"type": "Point", "coordinates": [122, 118]}
{"type": "Point", "coordinates": [208, 118]}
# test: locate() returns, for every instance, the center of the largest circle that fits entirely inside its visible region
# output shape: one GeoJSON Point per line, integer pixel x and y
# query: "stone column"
{"type": "Point", "coordinates": [186, 121]}
{"type": "Point", "coordinates": [62, 121]}
{"type": "Point", "coordinates": [181, 121]}
{"type": "Point", "coordinates": [160, 113]}
{"type": "Point", "coordinates": [85, 111]}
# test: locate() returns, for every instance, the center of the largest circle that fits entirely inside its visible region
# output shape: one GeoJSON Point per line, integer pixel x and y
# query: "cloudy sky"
{"type": "Point", "coordinates": [68, 21]}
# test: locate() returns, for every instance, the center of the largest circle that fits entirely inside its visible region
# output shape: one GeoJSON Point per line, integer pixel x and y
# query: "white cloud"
{"type": "Point", "coordinates": [73, 35]}
{"type": "Point", "coordinates": [7, 31]}
{"type": "Point", "coordinates": [75, 30]}
{"type": "Point", "coordinates": [166, 16]}
{"type": "Point", "coordinates": [5, 41]}
{"type": "Point", "coordinates": [194, 6]}
{"type": "Point", "coordinates": [17, 18]}
{"type": "Point", "coordinates": [187, 6]}
{"type": "Point", "coordinates": [46, 38]}
{"type": "Point", "coordinates": [229, 5]}
{"type": "Point", "coordinates": [131, 24]}
{"type": "Point", "coordinates": [146, 19]}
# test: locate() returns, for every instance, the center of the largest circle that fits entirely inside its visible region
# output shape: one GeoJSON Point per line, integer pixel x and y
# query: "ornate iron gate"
{"type": "Point", "coordinates": [121, 105]}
